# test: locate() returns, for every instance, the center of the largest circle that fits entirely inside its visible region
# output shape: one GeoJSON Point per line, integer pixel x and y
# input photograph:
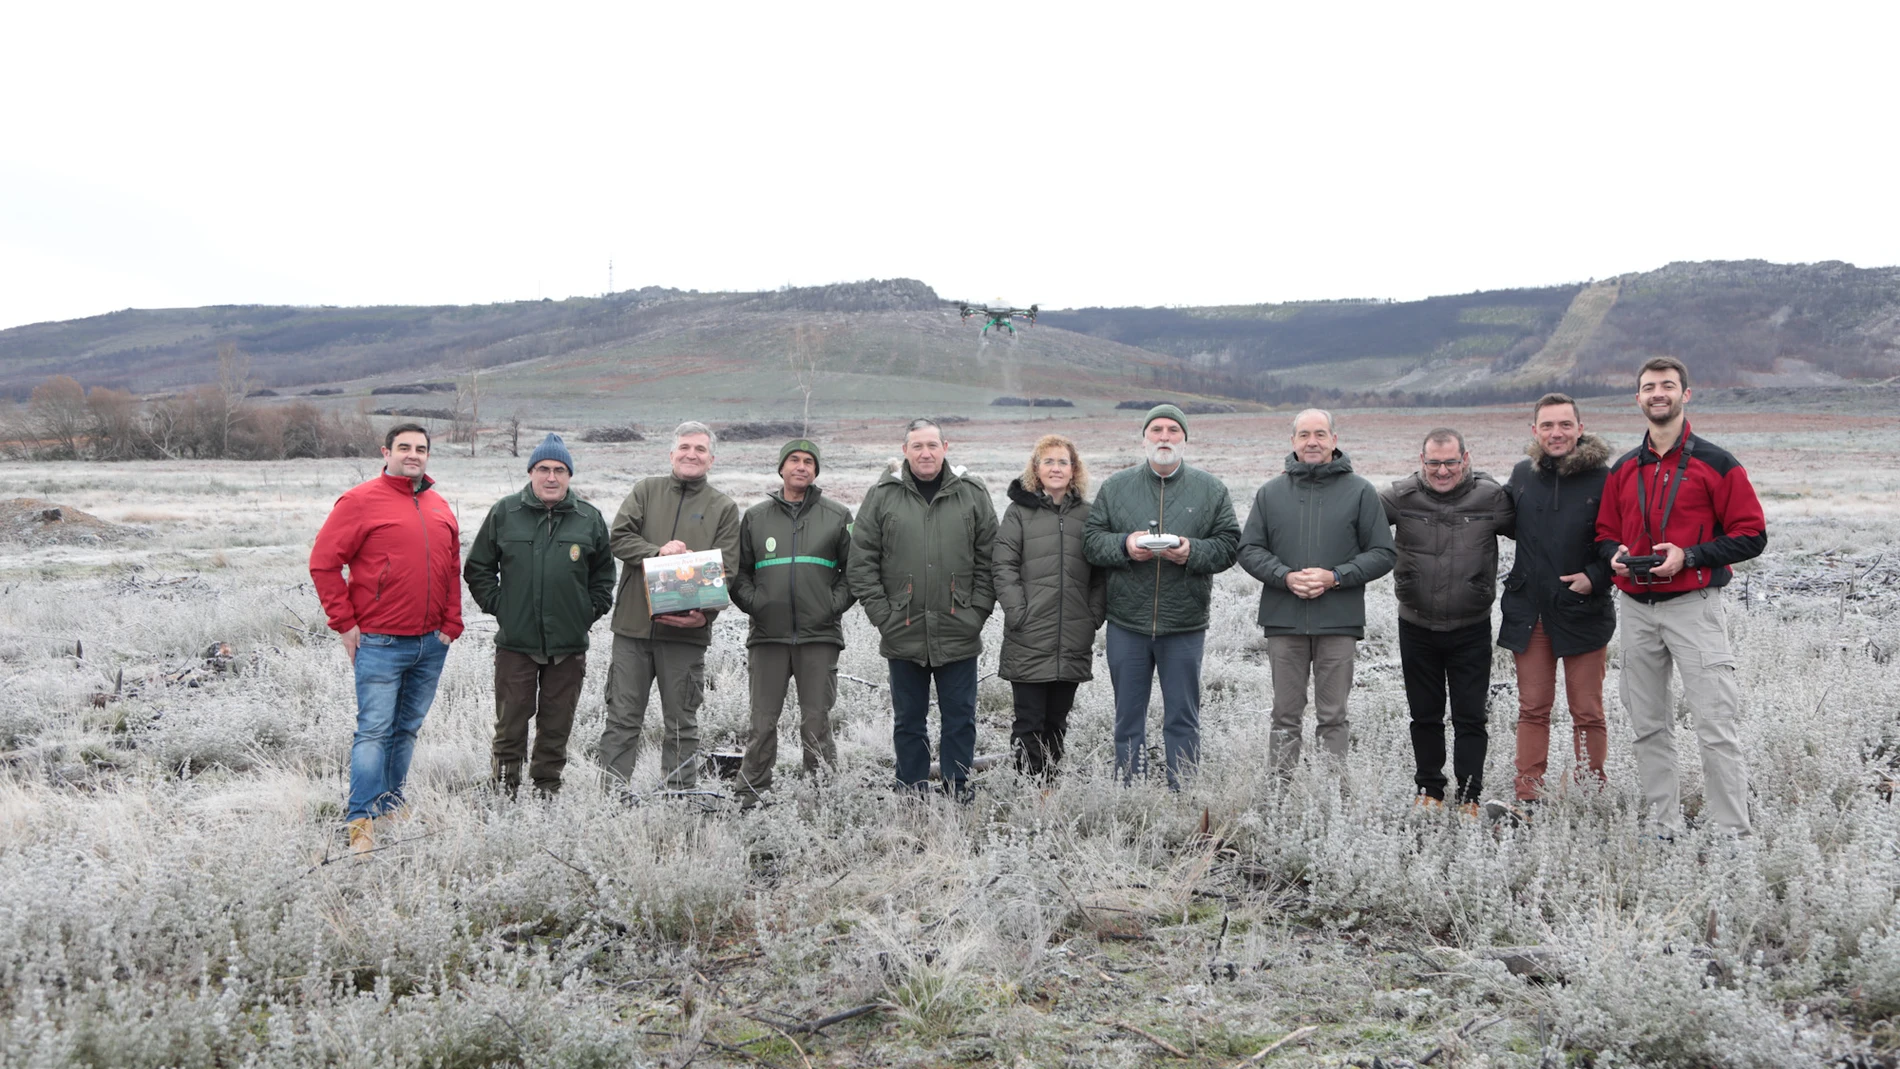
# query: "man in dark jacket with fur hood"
{"type": "Point", "coordinates": [1557, 598]}
{"type": "Point", "coordinates": [1448, 519]}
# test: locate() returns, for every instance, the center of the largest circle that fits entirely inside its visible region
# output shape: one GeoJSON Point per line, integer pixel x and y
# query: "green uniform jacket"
{"type": "Point", "coordinates": [1053, 600]}
{"type": "Point", "coordinates": [922, 571]}
{"type": "Point", "coordinates": [1447, 576]}
{"type": "Point", "coordinates": [791, 578]}
{"type": "Point", "coordinates": [545, 574]}
{"type": "Point", "coordinates": [659, 509]}
{"type": "Point", "coordinates": [1316, 516]}
{"type": "Point", "coordinates": [1160, 597]}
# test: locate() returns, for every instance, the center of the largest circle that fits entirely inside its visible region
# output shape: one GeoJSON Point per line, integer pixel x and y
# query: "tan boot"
{"type": "Point", "coordinates": [362, 836]}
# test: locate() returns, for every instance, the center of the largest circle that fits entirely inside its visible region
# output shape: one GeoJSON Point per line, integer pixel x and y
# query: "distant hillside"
{"type": "Point", "coordinates": [1736, 323]}
{"type": "Point", "coordinates": [1742, 324]}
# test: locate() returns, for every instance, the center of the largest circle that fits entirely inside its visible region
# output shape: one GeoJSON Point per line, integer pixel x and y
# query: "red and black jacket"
{"type": "Point", "coordinates": [403, 548]}
{"type": "Point", "coordinates": [1711, 512]}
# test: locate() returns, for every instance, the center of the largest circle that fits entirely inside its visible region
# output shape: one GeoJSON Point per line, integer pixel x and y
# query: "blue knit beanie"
{"type": "Point", "coordinates": [552, 448]}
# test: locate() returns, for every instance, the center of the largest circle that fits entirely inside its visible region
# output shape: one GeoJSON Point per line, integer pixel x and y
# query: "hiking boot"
{"type": "Point", "coordinates": [362, 835]}
{"type": "Point", "coordinates": [1426, 801]}
{"type": "Point", "coordinates": [1468, 810]}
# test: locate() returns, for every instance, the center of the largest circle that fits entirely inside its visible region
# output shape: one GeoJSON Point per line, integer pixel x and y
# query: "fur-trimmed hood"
{"type": "Point", "coordinates": [1592, 452]}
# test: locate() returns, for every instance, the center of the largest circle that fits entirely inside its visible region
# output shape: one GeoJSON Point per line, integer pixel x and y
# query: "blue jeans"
{"type": "Point", "coordinates": [1134, 659]}
{"type": "Point", "coordinates": [395, 682]}
{"type": "Point", "coordinates": [910, 726]}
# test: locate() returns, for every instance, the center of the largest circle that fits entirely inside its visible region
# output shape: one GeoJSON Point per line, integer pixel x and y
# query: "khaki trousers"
{"type": "Point", "coordinates": [1537, 694]}
{"type": "Point", "coordinates": [772, 666]}
{"type": "Point", "coordinates": [679, 669]}
{"type": "Point", "coordinates": [1689, 632]}
{"type": "Point", "coordinates": [543, 695]}
{"type": "Point", "coordinates": [1327, 660]}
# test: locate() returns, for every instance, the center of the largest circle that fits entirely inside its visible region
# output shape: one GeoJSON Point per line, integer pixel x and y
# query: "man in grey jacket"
{"type": "Point", "coordinates": [1317, 535]}
{"type": "Point", "coordinates": [1448, 520]}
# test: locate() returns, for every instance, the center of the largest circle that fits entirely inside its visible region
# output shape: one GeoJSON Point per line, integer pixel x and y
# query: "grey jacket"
{"type": "Point", "coordinates": [1447, 574]}
{"type": "Point", "coordinates": [659, 509]}
{"type": "Point", "coordinates": [1316, 516]}
{"type": "Point", "coordinates": [1053, 601]}
{"type": "Point", "coordinates": [1160, 597]}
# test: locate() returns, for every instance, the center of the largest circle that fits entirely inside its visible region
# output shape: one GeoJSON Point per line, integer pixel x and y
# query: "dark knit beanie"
{"type": "Point", "coordinates": [1170, 412]}
{"type": "Point", "coordinates": [801, 445]}
{"type": "Point", "coordinates": [551, 448]}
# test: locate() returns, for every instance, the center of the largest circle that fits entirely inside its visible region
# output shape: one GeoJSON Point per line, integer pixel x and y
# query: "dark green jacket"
{"type": "Point", "coordinates": [1160, 597]}
{"type": "Point", "coordinates": [659, 509]}
{"type": "Point", "coordinates": [791, 578]}
{"type": "Point", "coordinates": [1447, 574]}
{"type": "Point", "coordinates": [1316, 516]}
{"type": "Point", "coordinates": [922, 571]}
{"type": "Point", "coordinates": [544, 574]}
{"type": "Point", "coordinates": [1053, 600]}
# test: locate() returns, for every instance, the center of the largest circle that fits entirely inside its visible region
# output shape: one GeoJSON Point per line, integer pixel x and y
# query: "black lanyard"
{"type": "Point", "coordinates": [1675, 484]}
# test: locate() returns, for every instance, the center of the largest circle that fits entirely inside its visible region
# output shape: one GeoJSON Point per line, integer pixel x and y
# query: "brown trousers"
{"type": "Point", "coordinates": [1327, 660]}
{"type": "Point", "coordinates": [540, 694]}
{"type": "Point", "coordinates": [772, 667]}
{"type": "Point", "coordinates": [1537, 693]}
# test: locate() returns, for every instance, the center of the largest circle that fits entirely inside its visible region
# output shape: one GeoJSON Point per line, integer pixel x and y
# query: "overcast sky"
{"type": "Point", "coordinates": [1083, 154]}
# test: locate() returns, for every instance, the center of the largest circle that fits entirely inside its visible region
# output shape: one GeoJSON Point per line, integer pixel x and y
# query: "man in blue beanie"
{"type": "Point", "coordinates": [542, 566]}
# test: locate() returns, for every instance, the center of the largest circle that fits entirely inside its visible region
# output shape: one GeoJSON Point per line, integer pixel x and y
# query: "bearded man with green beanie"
{"type": "Point", "coordinates": [793, 549]}
{"type": "Point", "coordinates": [541, 566]}
{"type": "Point", "coordinates": [1162, 530]}
{"type": "Point", "coordinates": [664, 515]}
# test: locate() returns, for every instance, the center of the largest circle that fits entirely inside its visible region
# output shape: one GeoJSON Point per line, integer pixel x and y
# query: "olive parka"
{"type": "Point", "coordinates": [922, 569]}
{"type": "Point", "coordinates": [791, 579]}
{"type": "Point", "coordinates": [1447, 572]}
{"type": "Point", "coordinates": [1160, 597]}
{"type": "Point", "coordinates": [1557, 500]}
{"type": "Point", "coordinates": [1316, 516]}
{"type": "Point", "coordinates": [1053, 601]}
{"type": "Point", "coordinates": [661, 508]}
{"type": "Point", "coordinates": [544, 573]}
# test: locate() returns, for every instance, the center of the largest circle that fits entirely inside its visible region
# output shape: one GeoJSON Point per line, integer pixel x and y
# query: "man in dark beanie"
{"type": "Point", "coordinates": [542, 566]}
{"type": "Point", "coordinates": [793, 548]}
{"type": "Point", "coordinates": [1162, 530]}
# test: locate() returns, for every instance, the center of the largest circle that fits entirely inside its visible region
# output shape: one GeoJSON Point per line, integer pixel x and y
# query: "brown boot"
{"type": "Point", "coordinates": [362, 836]}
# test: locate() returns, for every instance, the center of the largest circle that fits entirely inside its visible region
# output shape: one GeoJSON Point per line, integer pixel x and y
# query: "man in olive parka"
{"type": "Point", "coordinates": [920, 566]}
{"type": "Point", "coordinates": [1316, 536]}
{"type": "Point", "coordinates": [794, 548]}
{"type": "Point", "coordinates": [1158, 597]}
{"type": "Point", "coordinates": [541, 565]}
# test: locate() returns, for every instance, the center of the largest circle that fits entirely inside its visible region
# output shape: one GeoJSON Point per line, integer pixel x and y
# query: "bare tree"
{"type": "Point", "coordinates": [465, 425]}
{"type": "Point", "coordinates": [58, 413]}
{"type": "Point", "coordinates": [514, 433]}
{"type": "Point", "coordinates": [805, 356]}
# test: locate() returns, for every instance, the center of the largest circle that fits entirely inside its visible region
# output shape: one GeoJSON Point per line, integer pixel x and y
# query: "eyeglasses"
{"type": "Point", "coordinates": [1442, 465]}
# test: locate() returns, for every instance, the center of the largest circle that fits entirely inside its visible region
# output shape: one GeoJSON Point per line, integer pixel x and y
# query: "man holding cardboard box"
{"type": "Point", "coordinates": [664, 516]}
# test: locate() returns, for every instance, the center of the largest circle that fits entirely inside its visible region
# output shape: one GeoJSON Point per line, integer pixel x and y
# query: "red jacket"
{"type": "Point", "coordinates": [1716, 517]}
{"type": "Point", "coordinates": [404, 552]}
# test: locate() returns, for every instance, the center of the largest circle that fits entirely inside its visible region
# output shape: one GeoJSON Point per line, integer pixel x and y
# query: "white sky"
{"type": "Point", "coordinates": [166, 155]}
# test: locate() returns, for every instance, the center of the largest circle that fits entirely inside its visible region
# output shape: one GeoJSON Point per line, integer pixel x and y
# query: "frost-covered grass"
{"type": "Point", "coordinates": [174, 890]}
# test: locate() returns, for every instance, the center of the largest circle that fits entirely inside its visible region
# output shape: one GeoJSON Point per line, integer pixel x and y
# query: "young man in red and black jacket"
{"type": "Point", "coordinates": [1677, 512]}
{"type": "Point", "coordinates": [396, 613]}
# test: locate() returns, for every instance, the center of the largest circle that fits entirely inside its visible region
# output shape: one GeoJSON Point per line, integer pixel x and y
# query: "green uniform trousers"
{"type": "Point", "coordinates": [772, 667]}
{"type": "Point", "coordinates": [679, 669]}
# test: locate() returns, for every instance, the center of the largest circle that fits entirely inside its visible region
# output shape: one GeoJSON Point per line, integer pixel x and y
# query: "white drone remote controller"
{"type": "Point", "coordinates": [1152, 541]}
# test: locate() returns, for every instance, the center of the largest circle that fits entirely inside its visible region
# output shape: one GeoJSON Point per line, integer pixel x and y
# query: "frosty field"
{"type": "Point", "coordinates": [174, 889]}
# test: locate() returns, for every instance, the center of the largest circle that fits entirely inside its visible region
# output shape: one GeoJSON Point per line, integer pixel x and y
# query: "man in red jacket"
{"type": "Point", "coordinates": [1677, 511]}
{"type": "Point", "coordinates": [397, 612]}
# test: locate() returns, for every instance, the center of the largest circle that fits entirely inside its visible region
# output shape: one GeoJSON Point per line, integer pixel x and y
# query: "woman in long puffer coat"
{"type": "Point", "coordinates": [1053, 602]}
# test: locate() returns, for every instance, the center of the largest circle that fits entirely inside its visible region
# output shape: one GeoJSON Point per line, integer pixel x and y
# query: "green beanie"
{"type": "Point", "coordinates": [1168, 411]}
{"type": "Point", "coordinates": [801, 445]}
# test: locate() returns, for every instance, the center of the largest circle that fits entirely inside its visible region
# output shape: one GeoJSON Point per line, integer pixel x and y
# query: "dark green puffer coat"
{"type": "Point", "coordinates": [1053, 601]}
{"type": "Point", "coordinates": [1160, 597]}
{"type": "Point", "coordinates": [791, 578]}
{"type": "Point", "coordinates": [922, 569]}
{"type": "Point", "coordinates": [544, 574]}
{"type": "Point", "coordinates": [1316, 516]}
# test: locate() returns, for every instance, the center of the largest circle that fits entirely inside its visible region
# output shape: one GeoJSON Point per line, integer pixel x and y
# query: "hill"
{"type": "Point", "coordinates": [884, 342]}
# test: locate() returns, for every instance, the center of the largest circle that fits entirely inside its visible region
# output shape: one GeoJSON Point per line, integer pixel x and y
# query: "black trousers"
{"type": "Point", "coordinates": [1442, 665]}
{"type": "Point", "coordinates": [1042, 723]}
